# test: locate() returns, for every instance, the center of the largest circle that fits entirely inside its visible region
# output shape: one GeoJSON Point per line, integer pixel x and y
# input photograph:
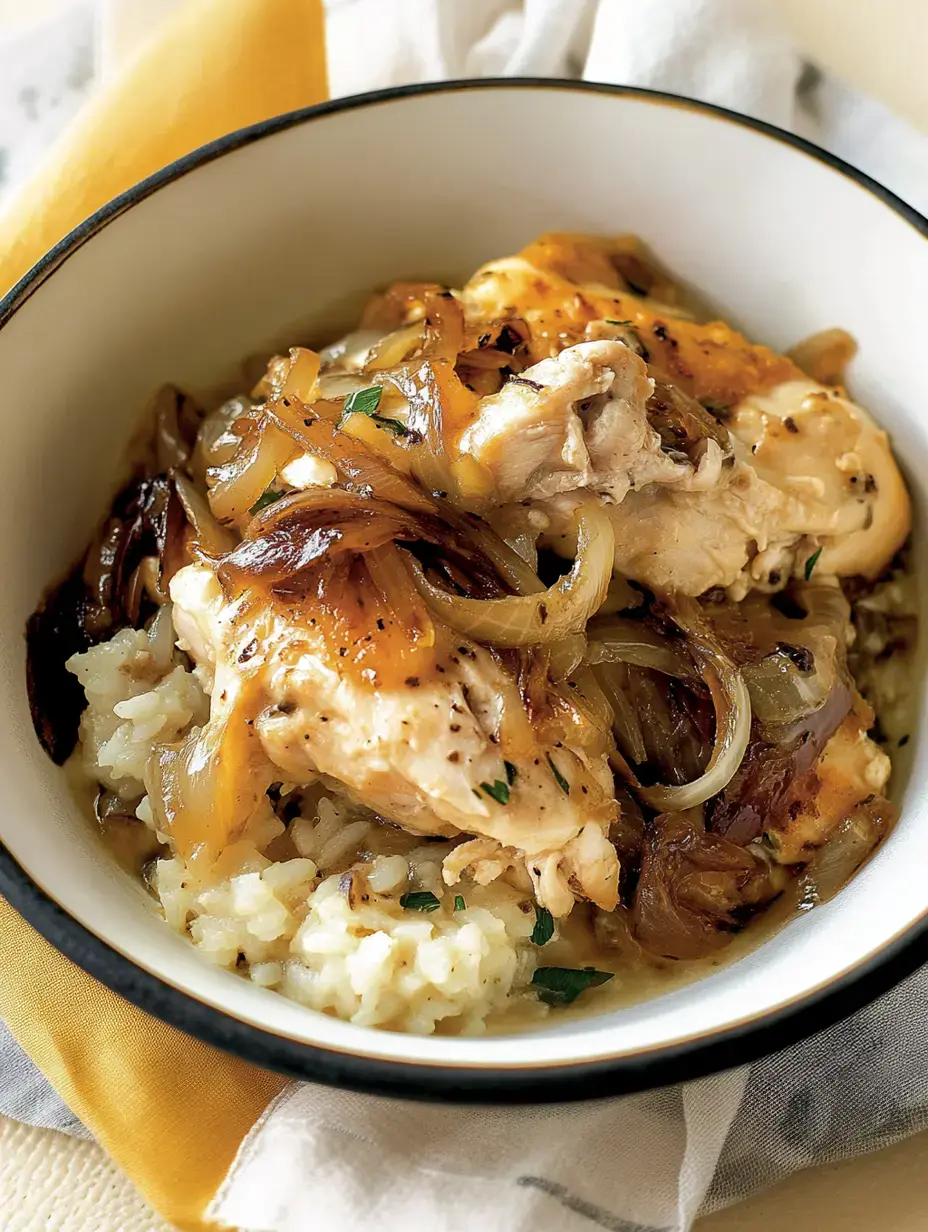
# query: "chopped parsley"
{"type": "Point", "coordinates": [511, 772]}
{"type": "Point", "coordinates": [366, 402]}
{"type": "Point", "coordinates": [459, 903]}
{"type": "Point", "coordinates": [363, 401]}
{"type": "Point", "coordinates": [420, 900]}
{"type": "Point", "coordinates": [812, 562]}
{"type": "Point", "coordinates": [392, 425]}
{"type": "Point", "coordinates": [562, 985]}
{"type": "Point", "coordinates": [498, 790]}
{"type": "Point", "coordinates": [609, 321]}
{"type": "Point", "coordinates": [266, 498]}
{"type": "Point", "coordinates": [544, 927]}
{"type": "Point", "coordinates": [558, 777]}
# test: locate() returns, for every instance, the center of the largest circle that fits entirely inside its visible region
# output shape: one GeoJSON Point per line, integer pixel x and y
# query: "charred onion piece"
{"type": "Point", "coordinates": [695, 889]}
{"type": "Point", "coordinates": [55, 631]}
{"type": "Point", "coordinates": [287, 542]}
{"type": "Point", "coordinates": [547, 616]}
{"type": "Point", "coordinates": [294, 533]}
{"type": "Point", "coordinates": [100, 596]}
{"type": "Point", "coordinates": [144, 516]}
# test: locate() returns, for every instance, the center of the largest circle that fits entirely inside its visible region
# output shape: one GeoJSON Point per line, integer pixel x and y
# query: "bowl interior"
{"type": "Point", "coordinates": [278, 241]}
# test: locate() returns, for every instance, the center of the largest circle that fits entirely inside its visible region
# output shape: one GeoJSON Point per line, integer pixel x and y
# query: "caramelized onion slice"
{"type": "Point", "coordinates": [358, 465]}
{"type": "Point", "coordinates": [205, 788]}
{"type": "Point", "coordinates": [848, 847]}
{"type": "Point", "coordinates": [297, 531]}
{"type": "Point", "coordinates": [392, 350]}
{"type": "Point", "coordinates": [631, 641]}
{"type": "Point", "coordinates": [732, 705]}
{"type": "Point", "coordinates": [237, 485]}
{"type": "Point", "coordinates": [211, 538]}
{"type": "Point", "coordinates": [302, 376]}
{"type": "Point", "coordinates": [791, 665]}
{"type": "Point", "coordinates": [692, 888]}
{"type": "Point", "coordinates": [546, 616]}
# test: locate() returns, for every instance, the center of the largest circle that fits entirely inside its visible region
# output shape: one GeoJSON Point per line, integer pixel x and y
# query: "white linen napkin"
{"type": "Point", "coordinates": [647, 1163]}
{"type": "Point", "coordinates": [328, 1160]}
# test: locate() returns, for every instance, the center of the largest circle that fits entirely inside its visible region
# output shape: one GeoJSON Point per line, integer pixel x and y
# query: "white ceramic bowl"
{"type": "Point", "coordinates": [278, 232]}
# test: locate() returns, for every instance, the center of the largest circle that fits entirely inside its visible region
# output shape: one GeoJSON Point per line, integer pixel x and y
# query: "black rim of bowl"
{"type": "Point", "coordinates": [607, 1076]}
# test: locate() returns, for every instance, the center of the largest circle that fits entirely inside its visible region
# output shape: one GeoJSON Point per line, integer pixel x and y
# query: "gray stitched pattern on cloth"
{"type": "Point", "coordinates": [857, 1087]}
{"type": "Point", "coordinates": [26, 1096]}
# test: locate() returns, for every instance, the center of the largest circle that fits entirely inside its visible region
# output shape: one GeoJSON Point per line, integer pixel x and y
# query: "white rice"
{"type": "Point", "coordinates": [138, 693]}
{"type": "Point", "coordinates": [324, 926]}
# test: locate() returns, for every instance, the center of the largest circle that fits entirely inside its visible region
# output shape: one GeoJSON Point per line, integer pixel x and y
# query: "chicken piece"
{"type": "Point", "coordinates": [810, 468]}
{"type": "Point", "coordinates": [580, 420]}
{"type": "Point", "coordinates": [850, 769]}
{"type": "Point", "coordinates": [814, 444]}
{"type": "Point", "coordinates": [709, 361]}
{"type": "Point", "coordinates": [423, 753]}
{"type": "Point", "coordinates": [811, 471]}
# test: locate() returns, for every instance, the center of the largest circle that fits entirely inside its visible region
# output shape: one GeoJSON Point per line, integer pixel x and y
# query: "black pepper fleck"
{"type": "Point", "coordinates": [248, 651]}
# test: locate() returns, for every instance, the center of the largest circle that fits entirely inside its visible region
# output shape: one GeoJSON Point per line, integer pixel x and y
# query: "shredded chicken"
{"type": "Point", "coordinates": [579, 420]}
{"type": "Point", "coordinates": [423, 754]}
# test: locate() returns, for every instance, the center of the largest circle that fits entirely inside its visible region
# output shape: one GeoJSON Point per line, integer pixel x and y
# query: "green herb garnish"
{"type": "Point", "coordinates": [420, 900]}
{"type": "Point", "coordinates": [544, 928]}
{"type": "Point", "coordinates": [392, 425]}
{"type": "Point", "coordinates": [266, 498]}
{"type": "Point", "coordinates": [562, 985]}
{"type": "Point", "coordinates": [363, 401]}
{"type": "Point", "coordinates": [609, 321]}
{"type": "Point", "coordinates": [366, 402]}
{"type": "Point", "coordinates": [558, 777]}
{"type": "Point", "coordinates": [511, 772]}
{"type": "Point", "coordinates": [498, 790]}
{"type": "Point", "coordinates": [459, 903]}
{"type": "Point", "coordinates": [812, 562]}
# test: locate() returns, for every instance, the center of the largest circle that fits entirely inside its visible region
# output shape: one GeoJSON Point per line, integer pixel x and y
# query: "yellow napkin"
{"type": "Point", "coordinates": [171, 1111]}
